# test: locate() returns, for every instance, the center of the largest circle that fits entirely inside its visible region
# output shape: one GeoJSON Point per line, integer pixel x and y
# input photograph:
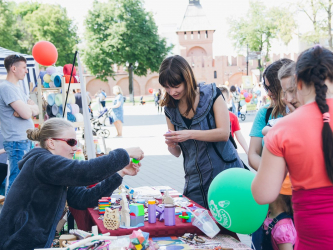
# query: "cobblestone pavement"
{"type": "Point", "coordinates": [144, 127]}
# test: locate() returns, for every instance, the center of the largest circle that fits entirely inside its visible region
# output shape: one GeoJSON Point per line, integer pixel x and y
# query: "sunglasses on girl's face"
{"type": "Point", "coordinates": [70, 142]}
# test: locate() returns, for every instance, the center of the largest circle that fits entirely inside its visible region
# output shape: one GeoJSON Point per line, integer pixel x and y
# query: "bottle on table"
{"type": "Point", "coordinates": [152, 211]}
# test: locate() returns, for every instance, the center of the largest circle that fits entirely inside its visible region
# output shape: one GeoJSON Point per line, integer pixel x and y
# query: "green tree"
{"type": "Point", "coordinates": [37, 22]}
{"type": "Point", "coordinates": [260, 27]}
{"type": "Point", "coordinates": [313, 10]}
{"type": "Point", "coordinates": [327, 6]}
{"type": "Point", "coordinates": [121, 31]}
{"type": "Point", "coordinates": [7, 21]}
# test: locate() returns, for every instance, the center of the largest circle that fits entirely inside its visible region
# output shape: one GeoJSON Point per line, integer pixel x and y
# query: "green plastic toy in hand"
{"type": "Point", "coordinates": [135, 161]}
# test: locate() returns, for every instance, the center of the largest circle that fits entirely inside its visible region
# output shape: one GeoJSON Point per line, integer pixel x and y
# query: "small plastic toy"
{"type": "Point", "coordinates": [160, 212]}
{"type": "Point", "coordinates": [135, 161]}
{"type": "Point", "coordinates": [139, 240]}
{"type": "Point", "coordinates": [137, 215]}
{"type": "Point", "coordinates": [186, 217]}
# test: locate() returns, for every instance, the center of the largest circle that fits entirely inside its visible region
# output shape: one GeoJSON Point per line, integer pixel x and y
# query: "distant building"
{"type": "Point", "coordinates": [195, 38]}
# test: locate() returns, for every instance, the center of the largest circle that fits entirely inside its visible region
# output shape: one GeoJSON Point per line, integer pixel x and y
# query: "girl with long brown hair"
{"type": "Point", "coordinates": [199, 127]}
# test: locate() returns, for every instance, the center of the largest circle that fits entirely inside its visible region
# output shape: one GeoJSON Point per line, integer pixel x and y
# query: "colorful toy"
{"type": "Point", "coordinates": [160, 212]}
{"type": "Point", "coordinates": [135, 161]}
{"type": "Point", "coordinates": [151, 211]}
{"type": "Point", "coordinates": [186, 217]}
{"type": "Point", "coordinates": [102, 205]}
{"type": "Point", "coordinates": [139, 240]}
{"type": "Point", "coordinates": [137, 215]}
{"type": "Point", "coordinates": [79, 155]}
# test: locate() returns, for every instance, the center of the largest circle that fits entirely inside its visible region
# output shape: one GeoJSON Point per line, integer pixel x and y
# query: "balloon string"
{"type": "Point", "coordinates": [69, 84]}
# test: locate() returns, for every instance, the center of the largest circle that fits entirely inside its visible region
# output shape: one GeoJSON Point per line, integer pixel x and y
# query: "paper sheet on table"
{"type": "Point", "coordinates": [148, 192]}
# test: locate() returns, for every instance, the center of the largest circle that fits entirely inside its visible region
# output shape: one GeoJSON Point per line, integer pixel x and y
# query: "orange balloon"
{"type": "Point", "coordinates": [45, 53]}
{"type": "Point", "coordinates": [150, 91]}
{"type": "Point", "coordinates": [247, 99]}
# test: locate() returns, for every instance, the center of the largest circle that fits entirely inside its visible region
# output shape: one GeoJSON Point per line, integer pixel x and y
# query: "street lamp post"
{"type": "Point", "coordinates": [130, 78]}
{"type": "Point", "coordinates": [247, 59]}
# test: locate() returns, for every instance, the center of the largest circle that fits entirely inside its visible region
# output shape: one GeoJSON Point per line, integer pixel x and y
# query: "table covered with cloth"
{"type": "Point", "coordinates": [85, 219]}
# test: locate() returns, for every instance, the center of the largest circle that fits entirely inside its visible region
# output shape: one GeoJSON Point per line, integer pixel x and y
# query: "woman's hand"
{"type": "Point", "coordinates": [135, 152]}
{"type": "Point", "coordinates": [170, 144]}
{"type": "Point", "coordinates": [131, 169]}
{"type": "Point", "coordinates": [177, 136]}
{"type": "Point", "coordinates": [291, 105]}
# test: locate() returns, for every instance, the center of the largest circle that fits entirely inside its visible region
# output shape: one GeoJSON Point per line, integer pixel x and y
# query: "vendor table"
{"type": "Point", "coordinates": [85, 219]}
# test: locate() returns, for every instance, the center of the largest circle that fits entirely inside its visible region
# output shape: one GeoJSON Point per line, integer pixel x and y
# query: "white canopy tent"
{"type": "Point", "coordinates": [33, 70]}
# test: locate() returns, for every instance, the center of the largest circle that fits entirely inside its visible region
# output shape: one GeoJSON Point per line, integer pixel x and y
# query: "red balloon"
{"type": "Point", "coordinates": [250, 95]}
{"type": "Point", "coordinates": [247, 99]}
{"type": "Point", "coordinates": [150, 91]}
{"type": "Point", "coordinates": [243, 91]}
{"type": "Point", "coordinates": [45, 53]}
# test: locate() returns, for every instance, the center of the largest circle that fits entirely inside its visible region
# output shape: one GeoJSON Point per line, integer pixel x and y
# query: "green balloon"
{"type": "Point", "coordinates": [232, 204]}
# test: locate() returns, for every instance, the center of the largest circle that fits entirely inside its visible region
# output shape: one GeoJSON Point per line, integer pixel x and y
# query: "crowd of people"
{"type": "Point", "coordinates": [290, 148]}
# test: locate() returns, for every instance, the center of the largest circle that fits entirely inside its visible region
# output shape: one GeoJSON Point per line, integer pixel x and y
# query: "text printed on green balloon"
{"type": "Point", "coordinates": [219, 213]}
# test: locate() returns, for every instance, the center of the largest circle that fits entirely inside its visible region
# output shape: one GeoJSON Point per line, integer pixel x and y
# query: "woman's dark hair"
{"type": "Point", "coordinates": [175, 70]}
{"type": "Point", "coordinates": [313, 67]}
{"type": "Point", "coordinates": [232, 88]}
{"type": "Point", "coordinates": [271, 74]}
{"type": "Point", "coordinates": [286, 203]}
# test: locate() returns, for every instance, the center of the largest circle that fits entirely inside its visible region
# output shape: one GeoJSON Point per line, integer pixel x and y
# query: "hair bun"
{"type": "Point", "coordinates": [33, 134]}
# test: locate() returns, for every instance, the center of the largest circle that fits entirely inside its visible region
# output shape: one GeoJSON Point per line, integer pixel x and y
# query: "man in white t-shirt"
{"type": "Point", "coordinates": [16, 110]}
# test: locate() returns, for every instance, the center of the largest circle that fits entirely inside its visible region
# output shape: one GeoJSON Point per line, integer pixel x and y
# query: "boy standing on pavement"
{"type": "Point", "coordinates": [234, 123]}
{"type": "Point", "coordinates": [16, 110]}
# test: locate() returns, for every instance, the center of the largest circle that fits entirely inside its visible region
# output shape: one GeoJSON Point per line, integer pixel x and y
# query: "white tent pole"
{"type": "Point", "coordinates": [90, 148]}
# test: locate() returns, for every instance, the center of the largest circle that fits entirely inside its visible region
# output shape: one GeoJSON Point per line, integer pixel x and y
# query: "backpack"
{"type": "Point", "coordinates": [230, 138]}
{"type": "Point", "coordinates": [268, 114]}
{"type": "Point", "coordinates": [103, 93]}
{"type": "Point", "coordinates": [267, 240]}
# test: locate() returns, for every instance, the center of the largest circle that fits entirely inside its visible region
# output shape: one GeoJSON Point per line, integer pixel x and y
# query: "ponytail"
{"type": "Point", "coordinates": [314, 66]}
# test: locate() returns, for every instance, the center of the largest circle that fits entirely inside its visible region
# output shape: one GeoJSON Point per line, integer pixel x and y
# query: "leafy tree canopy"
{"type": "Point", "coordinates": [261, 26]}
{"type": "Point", "coordinates": [121, 31]}
{"type": "Point", "coordinates": [22, 25]}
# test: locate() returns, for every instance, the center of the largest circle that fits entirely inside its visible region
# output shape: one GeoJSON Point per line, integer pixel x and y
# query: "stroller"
{"type": "Point", "coordinates": [96, 123]}
{"type": "Point", "coordinates": [241, 112]}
